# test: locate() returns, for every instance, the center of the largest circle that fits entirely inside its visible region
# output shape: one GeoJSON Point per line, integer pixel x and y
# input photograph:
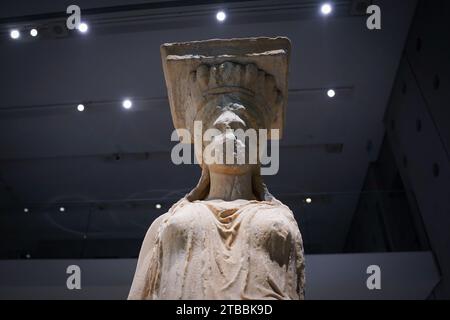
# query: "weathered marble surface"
{"type": "Point", "coordinates": [181, 61]}
{"type": "Point", "coordinates": [229, 238]}
{"type": "Point", "coordinates": [222, 250]}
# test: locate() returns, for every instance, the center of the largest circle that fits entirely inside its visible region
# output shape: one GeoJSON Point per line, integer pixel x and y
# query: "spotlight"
{"type": "Point", "coordinates": [62, 209]}
{"type": "Point", "coordinates": [326, 9]}
{"type": "Point", "coordinates": [158, 206]}
{"type": "Point", "coordinates": [26, 210]}
{"type": "Point", "coordinates": [14, 34]}
{"type": "Point", "coordinates": [221, 16]}
{"type": "Point", "coordinates": [83, 27]}
{"type": "Point", "coordinates": [331, 93]}
{"type": "Point", "coordinates": [127, 104]}
{"type": "Point", "coordinates": [308, 200]}
{"type": "Point", "coordinates": [28, 256]}
{"type": "Point", "coordinates": [33, 32]}
{"type": "Point", "coordinates": [80, 107]}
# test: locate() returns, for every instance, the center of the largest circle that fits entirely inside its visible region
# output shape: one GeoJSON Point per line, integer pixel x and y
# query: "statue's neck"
{"type": "Point", "coordinates": [230, 187]}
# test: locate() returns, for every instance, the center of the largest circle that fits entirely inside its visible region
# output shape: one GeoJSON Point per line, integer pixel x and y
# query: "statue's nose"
{"type": "Point", "coordinates": [229, 119]}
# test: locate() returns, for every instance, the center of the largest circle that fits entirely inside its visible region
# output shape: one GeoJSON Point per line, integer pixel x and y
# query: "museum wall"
{"type": "Point", "coordinates": [387, 219]}
{"type": "Point", "coordinates": [418, 128]}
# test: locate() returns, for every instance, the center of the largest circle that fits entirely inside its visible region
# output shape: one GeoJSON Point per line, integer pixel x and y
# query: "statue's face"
{"type": "Point", "coordinates": [230, 135]}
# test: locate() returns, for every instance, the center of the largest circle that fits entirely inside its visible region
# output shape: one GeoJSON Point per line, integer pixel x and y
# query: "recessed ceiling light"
{"type": "Point", "coordinates": [26, 210]}
{"type": "Point", "coordinates": [14, 34]}
{"type": "Point", "coordinates": [158, 206]}
{"type": "Point", "coordinates": [83, 27]}
{"type": "Point", "coordinates": [331, 93]}
{"type": "Point", "coordinates": [80, 107]}
{"type": "Point", "coordinates": [326, 9]}
{"type": "Point", "coordinates": [221, 16]}
{"type": "Point", "coordinates": [308, 200]}
{"type": "Point", "coordinates": [127, 104]}
{"type": "Point", "coordinates": [62, 209]}
{"type": "Point", "coordinates": [33, 32]}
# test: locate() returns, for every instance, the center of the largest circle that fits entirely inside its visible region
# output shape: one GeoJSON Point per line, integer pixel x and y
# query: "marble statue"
{"type": "Point", "coordinates": [229, 238]}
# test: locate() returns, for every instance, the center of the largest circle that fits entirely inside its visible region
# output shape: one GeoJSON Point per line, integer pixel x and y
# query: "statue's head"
{"type": "Point", "coordinates": [234, 103]}
{"type": "Point", "coordinates": [230, 95]}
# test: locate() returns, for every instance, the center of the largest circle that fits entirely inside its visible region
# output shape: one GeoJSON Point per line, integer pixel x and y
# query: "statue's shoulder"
{"type": "Point", "coordinates": [181, 207]}
{"type": "Point", "coordinates": [282, 208]}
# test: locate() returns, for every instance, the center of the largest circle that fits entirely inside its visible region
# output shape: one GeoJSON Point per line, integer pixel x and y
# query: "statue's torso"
{"type": "Point", "coordinates": [224, 250]}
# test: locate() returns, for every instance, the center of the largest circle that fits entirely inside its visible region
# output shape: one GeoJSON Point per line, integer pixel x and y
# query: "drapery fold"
{"type": "Point", "coordinates": [222, 250]}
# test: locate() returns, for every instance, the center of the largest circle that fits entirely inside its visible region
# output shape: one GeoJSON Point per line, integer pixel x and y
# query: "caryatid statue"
{"type": "Point", "coordinates": [229, 238]}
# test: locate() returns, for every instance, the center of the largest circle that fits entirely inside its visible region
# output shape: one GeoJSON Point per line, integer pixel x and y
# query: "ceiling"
{"type": "Point", "coordinates": [109, 166]}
